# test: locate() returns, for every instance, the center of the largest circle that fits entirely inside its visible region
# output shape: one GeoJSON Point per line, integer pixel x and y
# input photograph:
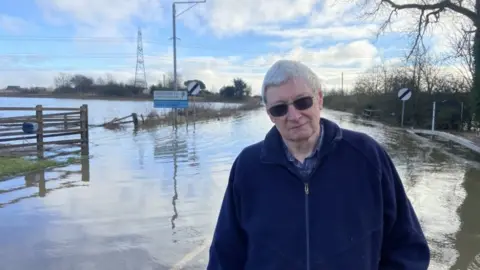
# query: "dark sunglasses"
{"type": "Point", "coordinates": [301, 104]}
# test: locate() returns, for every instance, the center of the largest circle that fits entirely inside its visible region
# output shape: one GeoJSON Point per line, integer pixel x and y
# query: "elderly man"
{"type": "Point", "coordinates": [312, 195]}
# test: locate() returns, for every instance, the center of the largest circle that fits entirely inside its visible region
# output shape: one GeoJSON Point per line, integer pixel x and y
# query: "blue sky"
{"type": "Point", "coordinates": [218, 40]}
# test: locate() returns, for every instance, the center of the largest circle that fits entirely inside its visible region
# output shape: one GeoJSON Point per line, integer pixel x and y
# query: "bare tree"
{"type": "Point", "coordinates": [374, 81]}
{"type": "Point", "coordinates": [429, 12]}
{"type": "Point", "coordinates": [100, 81]}
{"type": "Point", "coordinates": [424, 69]}
{"type": "Point", "coordinates": [170, 82]}
{"type": "Point", "coordinates": [63, 80]}
{"type": "Point", "coordinates": [461, 42]}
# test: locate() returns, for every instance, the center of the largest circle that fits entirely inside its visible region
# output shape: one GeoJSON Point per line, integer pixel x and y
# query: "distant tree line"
{"type": "Point", "coordinates": [375, 94]}
{"type": "Point", "coordinates": [84, 85]}
{"type": "Point", "coordinates": [239, 90]}
{"type": "Point", "coordinates": [463, 38]}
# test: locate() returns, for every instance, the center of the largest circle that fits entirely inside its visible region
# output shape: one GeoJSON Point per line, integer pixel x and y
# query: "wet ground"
{"type": "Point", "coordinates": [149, 200]}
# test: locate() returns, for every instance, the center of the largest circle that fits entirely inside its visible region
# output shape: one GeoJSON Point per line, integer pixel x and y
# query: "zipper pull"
{"type": "Point", "coordinates": [307, 191]}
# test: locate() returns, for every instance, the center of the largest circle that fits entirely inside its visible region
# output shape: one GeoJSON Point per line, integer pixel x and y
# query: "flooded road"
{"type": "Point", "coordinates": [149, 200]}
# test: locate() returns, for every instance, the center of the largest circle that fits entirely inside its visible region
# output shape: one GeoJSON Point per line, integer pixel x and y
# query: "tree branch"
{"type": "Point", "coordinates": [429, 13]}
{"type": "Point", "coordinates": [442, 5]}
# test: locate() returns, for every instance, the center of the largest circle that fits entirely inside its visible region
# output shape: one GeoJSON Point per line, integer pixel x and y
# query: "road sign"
{"type": "Point", "coordinates": [193, 88]}
{"type": "Point", "coordinates": [404, 94]}
{"type": "Point", "coordinates": [170, 99]}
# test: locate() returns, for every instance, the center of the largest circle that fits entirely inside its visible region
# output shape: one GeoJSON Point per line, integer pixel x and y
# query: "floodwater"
{"type": "Point", "coordinates": [149, 200]}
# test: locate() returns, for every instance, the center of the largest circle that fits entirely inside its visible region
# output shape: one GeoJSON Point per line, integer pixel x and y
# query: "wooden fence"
{"type": "Point", "coordinates": [45, 123]}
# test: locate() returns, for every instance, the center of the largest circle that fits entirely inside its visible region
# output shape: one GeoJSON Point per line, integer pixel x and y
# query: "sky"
{"type": "Point", "coordinates": [217, 41]}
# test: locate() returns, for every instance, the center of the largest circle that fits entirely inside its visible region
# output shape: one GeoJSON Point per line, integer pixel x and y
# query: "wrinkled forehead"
{"type": "Point", "coordinates": [292, 89]}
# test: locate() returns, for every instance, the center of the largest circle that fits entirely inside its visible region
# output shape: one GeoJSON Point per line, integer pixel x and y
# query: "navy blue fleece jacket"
{"type": "Point", "coordinates": [351, 214]}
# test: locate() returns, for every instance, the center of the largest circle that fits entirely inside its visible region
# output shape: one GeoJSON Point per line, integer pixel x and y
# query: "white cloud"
{"type": "Point", "coordinates": [103, 17]}
{"type": "Point", "coordinates": [447, 31]}
{"type": "Point", "coordinates": [92, 12]}
{"type": "Point", "coordinates": [223, 17]}
{"type": "Point", "coordinates": [334, 12]}
{"type": "Point", "coordinates": [319, 35]}
{"type": "Point", "coordinates": [229, 17]}
{"type": "Point", "coordinates": [360, 52]}
{"type": "Point", "coordinates": [14, 25]}
{"type": "Point", "coordinates": [219, 71]}
{"type": "Point", "coordinates": [438, 35]}
{"type": "Point", "coordinates": [302, 28]}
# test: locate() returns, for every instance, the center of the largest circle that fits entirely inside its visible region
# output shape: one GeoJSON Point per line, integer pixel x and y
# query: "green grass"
{"type": "Point", "coordinates": [11, 166]}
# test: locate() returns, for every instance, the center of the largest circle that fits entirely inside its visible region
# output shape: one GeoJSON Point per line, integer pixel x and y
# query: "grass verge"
{"type": "Point", "coordinates": [202, 113]}
{"type": "Point", "coordinates": [11, 166]}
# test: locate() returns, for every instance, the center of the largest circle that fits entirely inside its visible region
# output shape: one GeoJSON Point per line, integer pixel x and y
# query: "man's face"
{"type": "Point", "coordinates": [294, 124]}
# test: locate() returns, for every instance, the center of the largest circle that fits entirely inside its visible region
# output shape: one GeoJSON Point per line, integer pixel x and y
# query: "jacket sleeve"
{"type": "Point", "coordinates": [404, 245]}
{"type": "Point", "coordinates": [229, 248]}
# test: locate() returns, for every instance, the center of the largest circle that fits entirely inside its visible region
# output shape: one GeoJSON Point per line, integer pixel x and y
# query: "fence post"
{"type": "Point", "coordinates": [135, 120]}
{"type": "Point", "coordinates": [39, 119]}
{"type": "Point", "coordinates": [85, 161]}
{"type": "Point", "coordinates": [84, 128]}
{"type": "Point", "coordinates": [65, 121]}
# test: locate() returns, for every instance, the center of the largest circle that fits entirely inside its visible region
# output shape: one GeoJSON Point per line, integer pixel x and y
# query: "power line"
{"type": "Point", "coordinates": [117, 38]}
{"type": "Point", "coordinates": [233, 52]}
{"type": "Point", "coordinates": [330, 74]}
{"type": "Point", "coordinates": [129, 55]}
{"type": "Point", "coordinates": [192, 60]}
{"type": "Point", "coordinates": [77, 55]}
{"type": "Point", "coordinates": [204, 65]}
{"type": "Point", "coordinates": [67, 38]}
{"type": "Point", "coordinates": [132, 40]}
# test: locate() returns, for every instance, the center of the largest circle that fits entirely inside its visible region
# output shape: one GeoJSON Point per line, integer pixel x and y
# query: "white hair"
{"type": "Point", "coordinates": [284, 70]}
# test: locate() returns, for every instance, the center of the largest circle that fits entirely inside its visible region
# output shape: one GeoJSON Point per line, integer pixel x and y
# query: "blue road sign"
{"type": "Point", "coordinates": [170, 99]}
{"type": "Point", "coordinates": [174, 104]}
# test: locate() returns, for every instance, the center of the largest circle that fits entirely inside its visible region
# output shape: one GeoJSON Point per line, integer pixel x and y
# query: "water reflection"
{"type": "Point", "coordinates": [44, 181]}
{"type": "Point", "coordinates": [467, 239]}
{"type": "Point", "coordinates": [100, 111]}
{"type": "Point", "coordinates": [154, 198]}
{"type": "Point", "coordinates": [175, 168]}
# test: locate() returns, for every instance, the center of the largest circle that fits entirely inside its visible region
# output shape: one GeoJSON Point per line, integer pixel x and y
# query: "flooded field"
{"type": "Point", "coordinates": [149, 200]}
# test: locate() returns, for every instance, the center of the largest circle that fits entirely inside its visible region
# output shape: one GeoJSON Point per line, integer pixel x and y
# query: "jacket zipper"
{"type": "Point", "coordinates": [307, 212]}
{"type": "Point", "coordinates": [307, 225]}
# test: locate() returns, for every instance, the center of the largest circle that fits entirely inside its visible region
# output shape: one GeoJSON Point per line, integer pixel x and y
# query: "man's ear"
{"type": "Point", "coordinates": [320, 99]}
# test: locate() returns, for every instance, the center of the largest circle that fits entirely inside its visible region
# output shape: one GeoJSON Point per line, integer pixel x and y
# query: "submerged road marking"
{"type": "Point", "coordinates": [190, 256]}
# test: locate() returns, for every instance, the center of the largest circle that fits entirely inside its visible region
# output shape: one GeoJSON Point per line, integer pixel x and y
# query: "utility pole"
{"type": "Point", "coordinates": [385, 81]}
{"type": "Point", "coordinates": [433, 116]}
{"type": "Point", "coordinates": [342, 81]}
{"type": "Point", "coordinates": [174, 18]}
{"type": "Point", "coordinates": [174, 25]}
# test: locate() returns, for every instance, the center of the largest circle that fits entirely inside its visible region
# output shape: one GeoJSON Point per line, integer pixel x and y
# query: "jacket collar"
{"type": "Point", "coordinates": [273, 151]}
{"type": "Point", "coordinates": [315, 151]}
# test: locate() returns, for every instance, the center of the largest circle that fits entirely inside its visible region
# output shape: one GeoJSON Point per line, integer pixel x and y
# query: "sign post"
{"type": "Point", "coordinates": [404, 94]}
{"type": "Point", "coordinates": [433, 115]}
{"type": "Point", "coordinates": [171, 100]}
{"type": "Point", "coordinates": [193, 89]}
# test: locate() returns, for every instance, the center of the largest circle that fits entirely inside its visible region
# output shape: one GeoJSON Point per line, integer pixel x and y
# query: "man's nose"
{"type": "Point", "coordinates": [293, 113]}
